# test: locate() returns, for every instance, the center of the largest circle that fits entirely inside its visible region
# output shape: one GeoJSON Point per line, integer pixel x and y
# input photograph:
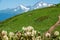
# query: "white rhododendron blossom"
{"type": "Point", "coordinates": [11, 34]}
{"type": "Point", "coordinates": [25, 34]}
{"type": "Point", "coordinates": [5, 38]}
{"type": "Point", "coordinates": [38, 38]}
{"type": "Point", "coordinates": [28, 33]}
{"type": "Point", "coordinates": [4, 32]}
{"type": "Point", "coordinates": [47, 34]}
{"type": "Point", "coordinates": [33, 33]}
{"type": "Point", "coordinates": [30, 28]}
{"type": "Point", "coordinates": [56, 33]}
{"type": "Point", "coordinates": [24, 28]}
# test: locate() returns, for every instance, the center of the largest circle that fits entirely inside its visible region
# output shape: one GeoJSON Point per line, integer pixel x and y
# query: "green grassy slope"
{"type": "Point", "coordinates": [40, 19]}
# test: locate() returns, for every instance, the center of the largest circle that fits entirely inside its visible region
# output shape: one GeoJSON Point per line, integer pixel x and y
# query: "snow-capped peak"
{"type": "Point", "coordinates": [45, 4]}
{"type": "Point", "coordinates": [42, 4]}
{"type": "Point", "coordinates": [24, 8]}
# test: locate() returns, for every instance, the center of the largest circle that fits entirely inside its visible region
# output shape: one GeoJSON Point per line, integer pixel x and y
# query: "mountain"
{"type": "Point", "coordinates": [24, 8]}
{"type": "Point", "coordinates": [42, 5]}
{"type": "Point", "coordinates": [40, 19]}
{"type": "Point", "coordinates": [7, 13]}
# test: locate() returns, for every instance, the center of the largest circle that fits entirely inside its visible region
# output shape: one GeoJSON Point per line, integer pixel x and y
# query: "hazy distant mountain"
{"type": "Point", "coordinates": [7, 13]}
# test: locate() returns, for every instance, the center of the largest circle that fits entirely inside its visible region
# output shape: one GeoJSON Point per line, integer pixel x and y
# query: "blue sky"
{"type": "Point", "coordinates": [4, 4]}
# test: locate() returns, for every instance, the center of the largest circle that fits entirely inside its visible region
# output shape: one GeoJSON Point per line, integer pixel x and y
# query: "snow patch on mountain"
{"type": "Point", "coordinates": [41, 5]}
{"type": "Point", "coordinates": [24, 8]}
{"type": "Point", "coordinates": [15, 9]}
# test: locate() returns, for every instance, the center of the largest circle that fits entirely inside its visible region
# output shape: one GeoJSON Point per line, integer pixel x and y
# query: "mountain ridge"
{"type": "Point", "coordinates": [20, 9]}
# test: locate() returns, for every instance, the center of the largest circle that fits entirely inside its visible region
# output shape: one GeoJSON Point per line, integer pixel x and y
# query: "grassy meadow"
{"type": "Point", "coordinates": [41, 19]}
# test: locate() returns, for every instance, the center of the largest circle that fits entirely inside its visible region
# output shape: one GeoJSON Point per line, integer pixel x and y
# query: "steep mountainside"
{"type": "Point", "coordinates": [40, 19]}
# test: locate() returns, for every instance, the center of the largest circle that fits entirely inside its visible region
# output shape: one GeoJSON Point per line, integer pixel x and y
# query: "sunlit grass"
{"type": "Point", "coordinates": [40, 19]}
